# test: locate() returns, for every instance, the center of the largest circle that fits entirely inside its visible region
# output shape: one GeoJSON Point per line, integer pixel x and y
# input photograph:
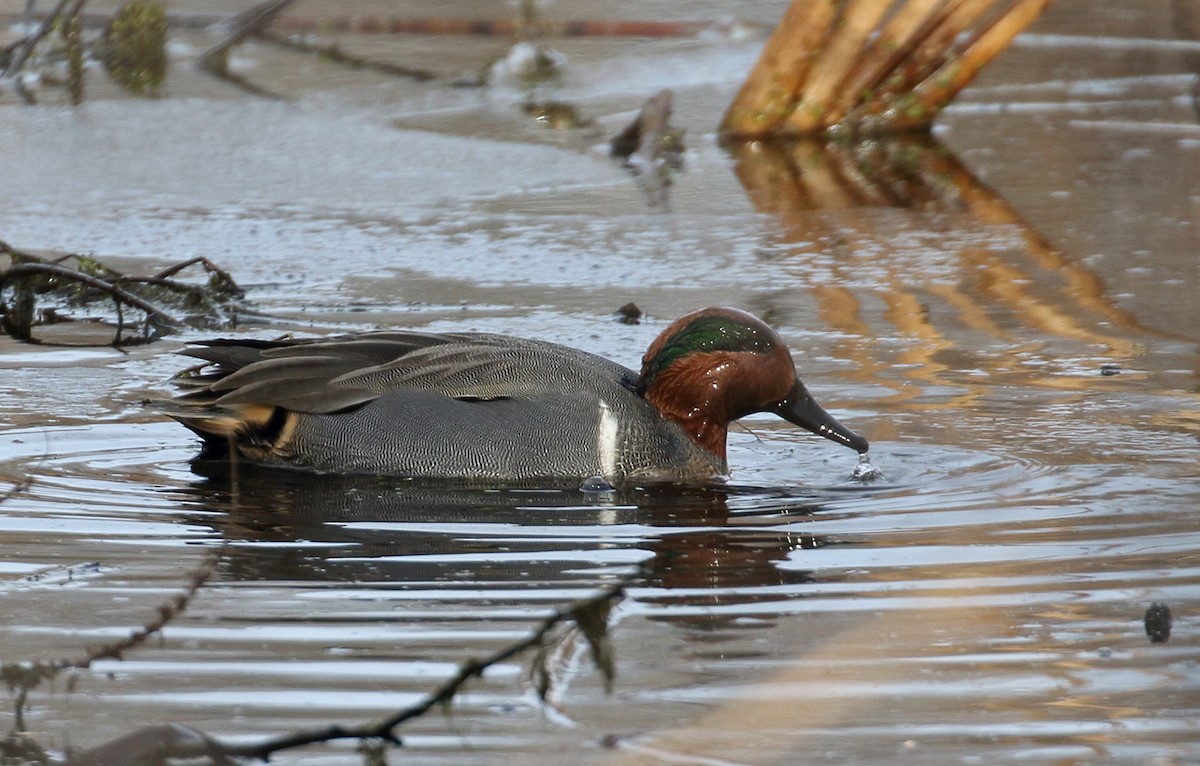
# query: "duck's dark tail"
{"type": "Point", "coordinates": [257, 427]}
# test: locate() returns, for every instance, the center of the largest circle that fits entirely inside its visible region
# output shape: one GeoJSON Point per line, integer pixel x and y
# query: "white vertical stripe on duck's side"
{"type": "Point", "coordinates": [606, 440]}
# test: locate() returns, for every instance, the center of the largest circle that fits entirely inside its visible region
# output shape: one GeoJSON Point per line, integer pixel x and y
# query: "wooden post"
{"type": "Point", "coordinates": [769, 93]}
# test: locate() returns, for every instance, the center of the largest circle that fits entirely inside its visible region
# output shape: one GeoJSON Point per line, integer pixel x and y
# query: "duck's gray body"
{"type": "Point", "coordinates": [446, 406]}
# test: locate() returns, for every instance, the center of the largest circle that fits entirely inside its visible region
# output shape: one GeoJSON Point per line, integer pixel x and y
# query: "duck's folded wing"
{"type": "Point", "coordinates": [322, 377]}
{"type": "Point", "coordinates": [480, 370]}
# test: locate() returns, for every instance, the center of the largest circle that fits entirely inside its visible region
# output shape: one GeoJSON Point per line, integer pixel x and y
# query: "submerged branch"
{"type": "Point", "coordinates": [156, 744]}
{"type": "Point", "coordinates": [335, 54]}
{"type": "Point", "coordinates": [243, 25]}
{"type": "Point", "coordinates": [651, 148]}
{"type": "Point", "coordinates": [384, 729]}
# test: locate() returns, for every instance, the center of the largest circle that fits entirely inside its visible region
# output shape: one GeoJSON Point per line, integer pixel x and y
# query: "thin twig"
{"type": "Point", "coordinates": [243, 25]}
{"type": "Point", "coordinates": [209, 266]}
{"type": "Point", "coordinates": [43, 29]}
{"type": "Point", "coordinates": [24, 677]}
{"type": "Point", "coordinates": [16, 489]}
{"type": "Point", "coordinates": [335, 54]}
{"type": "Point", "coordinates": [384, 729]}
{"type": "Point", "coordinates": [166, 612]}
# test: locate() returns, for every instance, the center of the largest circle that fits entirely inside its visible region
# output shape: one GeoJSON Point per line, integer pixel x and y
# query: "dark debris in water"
{"type": "Point", "coordinates": [1158, 622]}
{"type": "Point", "coordinates": [558, 115]}
{"type": "Point", "coordinates": [1110, 369]}
{"type": "Point", "coordinates": [651, 148]}
{"type": "Point", "coordinates": [650, 136]}
{"type": "Point", "coordinates": [629, 314]}
{"type": "Point", "coordinates": [37, 292]}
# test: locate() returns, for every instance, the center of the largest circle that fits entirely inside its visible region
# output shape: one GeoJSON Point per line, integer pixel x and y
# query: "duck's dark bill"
{"type": "Point", "coordinates": [801, 408]}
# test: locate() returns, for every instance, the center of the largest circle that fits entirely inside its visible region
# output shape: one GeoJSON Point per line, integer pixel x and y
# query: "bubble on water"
{"type": "Point", "coordinates": [864, 472]}
{"type": "Point", "coordinates": [595, 484]}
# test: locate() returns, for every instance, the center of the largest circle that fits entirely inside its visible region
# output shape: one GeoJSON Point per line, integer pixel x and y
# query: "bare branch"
{"type": "Point", "coordinates": [31, 42]}
{"type": "Point", "coordinates": [335, 54]}
{"type": "Point", "coordinates": [243, 25]}
{"type": "Point", "coordinates": [30, 269]}
{"type": "Point", "coordinates": [24, 677]}
{"type": "Point", "coordinates": [384, 729]}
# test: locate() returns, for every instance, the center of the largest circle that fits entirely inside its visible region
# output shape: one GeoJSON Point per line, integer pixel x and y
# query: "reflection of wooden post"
{"type": "Point", "coordinates": [880, 66]}
{"type": "Point", "coordinates": [795, 179]}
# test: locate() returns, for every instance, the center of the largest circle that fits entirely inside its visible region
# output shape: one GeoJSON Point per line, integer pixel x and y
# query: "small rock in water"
{"type": "Point", "coordinates": [865, 472]}
{"type": "Point", "coordinates": [1158, 622]}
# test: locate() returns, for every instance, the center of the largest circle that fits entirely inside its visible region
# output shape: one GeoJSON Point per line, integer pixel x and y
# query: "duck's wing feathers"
{"type": "Point", "coordinates": [466, 369]}
{"type": "Point", "coordinates": [326, 376]}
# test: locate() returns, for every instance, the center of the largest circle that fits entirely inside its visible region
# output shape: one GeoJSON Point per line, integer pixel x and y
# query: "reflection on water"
{"type": "Point", "coordinates": [978, 604]}
{"type": "Point", "coordinates": [983, 604]}
{"type": "Point", "coordinates": [383, 529]}
{"type": "Point", "coordinates": [794, 179]}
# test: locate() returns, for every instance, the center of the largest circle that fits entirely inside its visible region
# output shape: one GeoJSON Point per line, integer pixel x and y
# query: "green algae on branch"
{"type": "Point", "coordinates": [558, 115]}
{"type": "Point", "coordinates": [134, 47]}
{"type": "Point", "coordinates": [37, 292]}
{"type": "Point", "coordinates": [73, 38]}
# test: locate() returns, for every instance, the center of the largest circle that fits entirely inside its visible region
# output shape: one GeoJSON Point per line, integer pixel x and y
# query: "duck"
{"type": "Point", "coordinates": [475, 406]}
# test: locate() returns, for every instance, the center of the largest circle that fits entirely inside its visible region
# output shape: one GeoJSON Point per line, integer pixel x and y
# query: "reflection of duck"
{"type": "Point", "coordinates": [481, 406]}
{"type": "Point", "coordinates": [289, 526]}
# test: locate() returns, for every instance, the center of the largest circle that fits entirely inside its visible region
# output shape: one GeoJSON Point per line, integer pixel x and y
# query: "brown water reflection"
{"type": "Point", "coordinates": [794, 179]}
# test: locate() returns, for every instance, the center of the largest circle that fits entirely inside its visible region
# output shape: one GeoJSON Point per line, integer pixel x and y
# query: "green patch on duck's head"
{"type": "Point", "coordinates": [707, 331]}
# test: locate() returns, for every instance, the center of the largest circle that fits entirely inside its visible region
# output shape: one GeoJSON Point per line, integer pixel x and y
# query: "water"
{"type": "Point", "coordinates": [981, 602]}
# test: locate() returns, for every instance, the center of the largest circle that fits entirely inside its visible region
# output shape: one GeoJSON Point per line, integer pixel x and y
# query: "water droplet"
{"type": "Point", "coordinates": [865, 472]}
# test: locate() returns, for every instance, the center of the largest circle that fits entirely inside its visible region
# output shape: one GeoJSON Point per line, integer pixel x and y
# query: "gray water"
{"type": "Point", "coordinates": [981, 604]}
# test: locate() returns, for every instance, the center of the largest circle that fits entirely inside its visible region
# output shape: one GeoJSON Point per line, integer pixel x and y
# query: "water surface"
{"type": "Point", "coordinates": [964, 304]}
